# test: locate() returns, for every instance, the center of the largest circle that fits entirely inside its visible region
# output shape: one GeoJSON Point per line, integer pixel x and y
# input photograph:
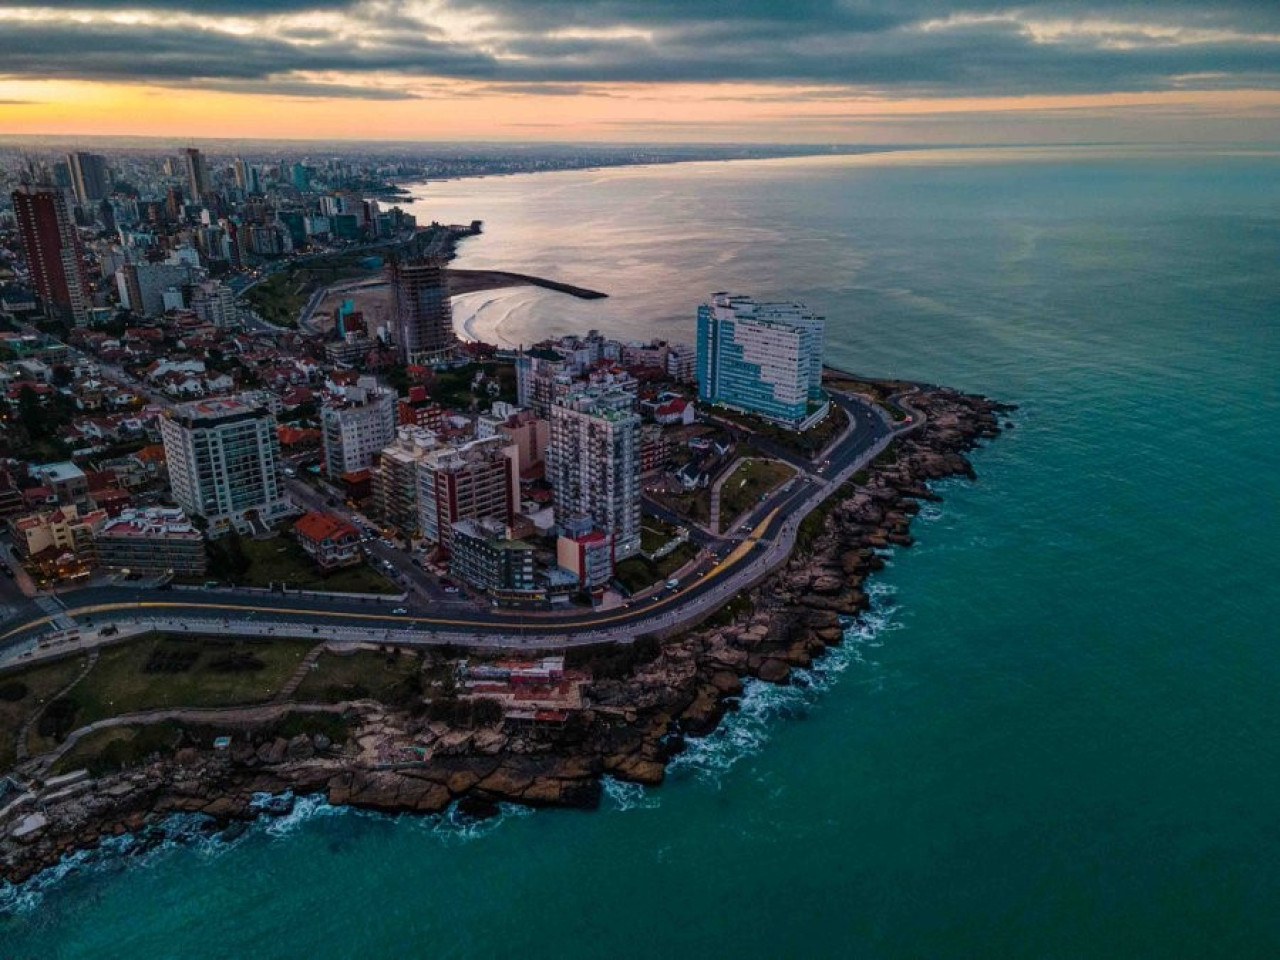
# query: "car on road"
{"type": "Point", "coordinates": [673, 584]}
{"type": "Point", "coordinates": [399, 610]}
{"type": "Point", "coordinates": [451, 589]}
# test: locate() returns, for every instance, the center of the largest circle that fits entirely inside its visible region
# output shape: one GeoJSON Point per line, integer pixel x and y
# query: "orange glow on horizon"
{"type": "Point", "coordinates": [458, 111]}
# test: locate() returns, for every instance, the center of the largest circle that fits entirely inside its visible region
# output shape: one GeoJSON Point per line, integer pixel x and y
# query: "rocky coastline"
{"type": "Point", "coordinates": [642, 701]}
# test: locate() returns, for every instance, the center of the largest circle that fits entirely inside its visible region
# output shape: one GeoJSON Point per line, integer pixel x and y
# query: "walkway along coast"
{"type": "Point", "coordinates": [794, 598]}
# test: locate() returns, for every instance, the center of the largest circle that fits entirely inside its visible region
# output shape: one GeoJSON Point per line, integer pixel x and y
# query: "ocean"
{"type": "Point", "coordinates": [1057, 735]}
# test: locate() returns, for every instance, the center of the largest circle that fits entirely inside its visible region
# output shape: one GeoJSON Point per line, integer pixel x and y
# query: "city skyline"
{"type": "Point", "coordinates": [625, 71]}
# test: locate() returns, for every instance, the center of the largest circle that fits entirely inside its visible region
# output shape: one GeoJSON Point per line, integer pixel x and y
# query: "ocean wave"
{"type": "Point", "coordinates": [744, 732]}
{"type": "Point", "coordinates": [112, 854]}
{"type": "Point", "coordinates": [623, 796]}
{"type": "Point", "coordinates": [456, 826]}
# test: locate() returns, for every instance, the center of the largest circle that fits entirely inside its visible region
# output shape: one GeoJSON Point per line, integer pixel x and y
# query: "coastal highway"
{"type": "Point", "coordinates": [37, 631]}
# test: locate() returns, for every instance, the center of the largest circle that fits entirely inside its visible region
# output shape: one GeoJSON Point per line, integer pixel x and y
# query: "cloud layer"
{"type": "Point", "coordinates": [381, 50]}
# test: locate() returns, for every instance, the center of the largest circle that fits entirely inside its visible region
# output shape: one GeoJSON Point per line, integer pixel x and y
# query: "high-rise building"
{"type": "Point", "coordinates": [197, 174]}
{"type": "Point", "coordinates": [214, 302]}
{"type": "Point", "coordinates": [224, 464]}
{"type": "Point", "coordinates": [475, 480]}
{"type": "Point", "coordinates": [248, 177]}
{"type": "Point", "coordinates": [54, 252]}
{"type": "Point", "coordinates": [395, 478]}
{"type": "Point", "coordinates": [423, 322]}
{"type": "Point", "coordinates": [142, 286]}
{"type": "Point", "coordinates": [356, 425]}
{"type": "Point", "coordinates": [764, 358]}
{"type": "Point", "coordinates": [593, 463]}
{"type": "Point", "coordinates": [88, 177]}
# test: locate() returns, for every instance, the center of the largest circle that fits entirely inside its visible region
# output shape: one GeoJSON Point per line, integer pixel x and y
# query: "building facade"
{"type": "Point", "coordinates": [356, 426]}
{"type": "Point", "coordinates": [395, 479]}
{"type": "Point", "coordinates": [157, 540]}
{"type": "Point", "coordinates": [762, 358]}
{"type": "Point", "coordinates": [423, 320]}
{"type": "Point", "coordinates": [54, 253]}
{"type": "Point", "coordinates": [329, 540]}
{"type": "Point", "coordinates": [89, 177]}
{"type": "Point", "coordinates": [593, 463]}
{"type": "Point", "coordinates": [483, 556]}
{"type": "Point", "coordinates": [224, 464]}
{"type": "Point", "coordinates": [472, 481]}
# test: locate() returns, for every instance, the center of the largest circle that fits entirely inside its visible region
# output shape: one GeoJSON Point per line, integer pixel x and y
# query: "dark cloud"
{"type": "Point", "coordinates": [554, 47]}
{"type": "Point", "coordinates": [238, 7]}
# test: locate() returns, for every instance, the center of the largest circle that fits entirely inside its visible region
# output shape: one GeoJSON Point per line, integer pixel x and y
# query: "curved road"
{"type": "Point", "coordinates": [34, 632]}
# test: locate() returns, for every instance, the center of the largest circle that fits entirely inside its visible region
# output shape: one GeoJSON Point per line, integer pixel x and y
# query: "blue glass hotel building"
{"type": "Point", "coordinates": [762, 358]}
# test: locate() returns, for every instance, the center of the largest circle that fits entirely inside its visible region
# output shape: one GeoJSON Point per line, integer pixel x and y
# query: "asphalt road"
{"type": "Point", "coordinates": [430, 619]}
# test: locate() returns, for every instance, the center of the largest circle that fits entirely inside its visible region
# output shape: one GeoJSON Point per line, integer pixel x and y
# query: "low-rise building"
{"type": "Point", "coordinates": [67, 481]}
{"type": "Point", "coordinates": [328, 540]}
{"type": "Point", "coordinates": [588, 556]}
{"type": "Point", "coordinates": [63, 529]}
{"type": "Point", "coordinates": [156, 540]}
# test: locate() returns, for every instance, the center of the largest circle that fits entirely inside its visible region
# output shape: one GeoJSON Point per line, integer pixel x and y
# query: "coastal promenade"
{"type": "Point", "coordinates": [32, 636]}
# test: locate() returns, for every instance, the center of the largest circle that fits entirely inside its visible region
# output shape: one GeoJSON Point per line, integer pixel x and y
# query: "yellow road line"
{"type": "Point", "coordinates": [739, 552]}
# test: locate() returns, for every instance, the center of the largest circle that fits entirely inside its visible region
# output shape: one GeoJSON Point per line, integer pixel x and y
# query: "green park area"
{"type": "Point", "coordinates": [388, 676]}
{"type": "Point", "coordinates": [166, 671]}
{"type": "Point", "coordinates": [250, 562]}
{"type": "Point", "coordinates": [22, 693]}
{"type": "Point", "coordinates": [750, 483]}
{"type": "Point", "coordinates": [656, 533]}
{"type": "Point", "coordinates": [808, 444]}
{"type": "Point", "coordinates": [169, 671]}
{"type": "Point", "coordinates": [281, 297]}
{"type": "Point", "coordinates": [636, 573]}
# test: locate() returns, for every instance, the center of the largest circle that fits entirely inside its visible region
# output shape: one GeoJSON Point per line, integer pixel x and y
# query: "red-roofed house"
{"type": "Point", "coordinates": [329, 540]}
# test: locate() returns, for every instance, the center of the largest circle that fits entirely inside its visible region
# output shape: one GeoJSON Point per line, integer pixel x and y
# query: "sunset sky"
{"type": "Point", "coordinates": [645, 70]}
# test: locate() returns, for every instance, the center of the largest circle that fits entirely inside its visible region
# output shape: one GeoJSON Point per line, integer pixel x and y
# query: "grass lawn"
{"type": "Point", "coordinates": [880, 391]}
{"type": "Point", "coordinates": [281, 297]}
{"type": "Point", "coordinates": [656, 533]}
{"type": "Point", "coordinates": [172, 671]}
{"type": "Point", "coordinates": [22, 692]}
{"type": "Point", "coordinates": [808, 444]}
{"type": "Point", "coordinates": [747, 485]}
{"type": "Point", "coordinates": [696, 504]}
{"type": "Point", "coordinates": [636, 573]}
{"type": "Point", "coordinates": [281, 560]}
{"type": "Point", "coordinates": [117, 748]}
{"type": "Point", "coordinates": [105, 751]}
{"type": "Point", "coordinates": [366, 673]}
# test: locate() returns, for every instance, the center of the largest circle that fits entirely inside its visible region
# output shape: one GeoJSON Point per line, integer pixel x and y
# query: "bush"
{"type": "Point", "coordinates": [13, 691]}
{"type": "Point", "coordinates": [58, 719]}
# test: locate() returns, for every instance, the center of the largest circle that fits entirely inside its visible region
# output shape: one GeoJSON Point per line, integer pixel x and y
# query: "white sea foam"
{"type": "Point", "coordinates": [454, 826]}
{"type": "Point", "coordinates": [745, 731]}
{"type": "Point", "coordinates": [622, 796]}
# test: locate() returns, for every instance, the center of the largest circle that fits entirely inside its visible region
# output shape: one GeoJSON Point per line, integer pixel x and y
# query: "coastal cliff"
{"type": "Point", "coordinates": [642, 701]}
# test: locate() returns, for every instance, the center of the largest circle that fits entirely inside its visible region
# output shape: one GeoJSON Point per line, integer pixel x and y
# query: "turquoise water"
{"type": "Point", "coordinates": [1059, 733]}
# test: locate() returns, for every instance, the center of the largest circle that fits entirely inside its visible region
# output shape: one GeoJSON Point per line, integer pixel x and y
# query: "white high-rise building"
{"type": "Point", "coordinates": [357, 425]}
{"type": "Point", "coordinates": [214, 302]}
{"type": "Point", "coordinates": [765, 358]}
{"type": "Point", "coordinates": [593, 463]}
{"type": "Point", "coordinates": [224, 464]}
